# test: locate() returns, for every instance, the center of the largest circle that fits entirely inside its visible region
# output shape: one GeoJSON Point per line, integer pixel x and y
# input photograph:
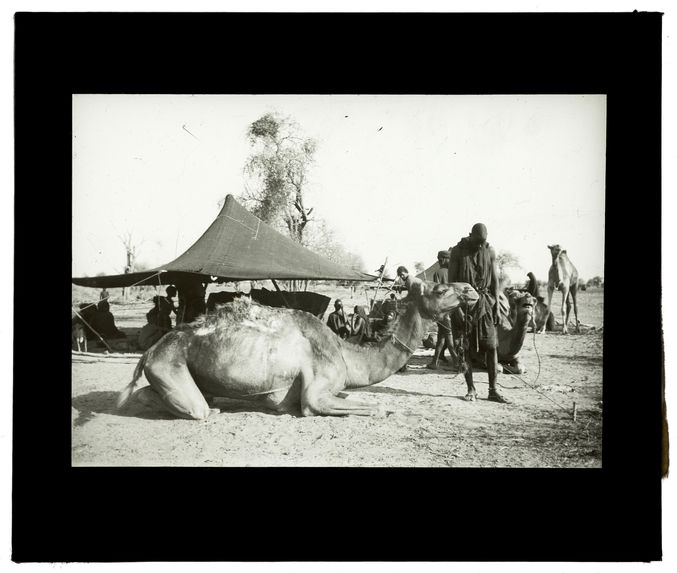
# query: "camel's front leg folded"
{"type": "Point", "coordinates": [324, 403]}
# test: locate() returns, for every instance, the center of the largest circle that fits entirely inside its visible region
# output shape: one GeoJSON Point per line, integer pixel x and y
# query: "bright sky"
{"type": "Point", "coordinates": [396, 176]}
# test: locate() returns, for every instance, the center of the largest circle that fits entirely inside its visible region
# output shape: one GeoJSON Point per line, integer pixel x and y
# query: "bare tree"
{"type": "Point", "coordinates": [322, 240]}
{"type": "Point", "coordinates": [504, 261]}
{"type": "Point", "coordinates": [131, 251]}
{"type": "Point", "coordinates": [277, 173]}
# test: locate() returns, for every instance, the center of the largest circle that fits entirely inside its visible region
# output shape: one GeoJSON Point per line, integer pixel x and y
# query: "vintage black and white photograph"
{"type": "Point", "coordinates": [338, 280]}
{"type": "Point", "coordinates": [344, 287]}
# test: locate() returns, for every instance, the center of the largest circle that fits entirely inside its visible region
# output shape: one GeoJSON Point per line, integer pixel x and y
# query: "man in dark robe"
{"type": "Point", "coordinates": [191, 300]}
{"type": "Point", "coordinates": [337, 320]}
{"type": "Point", "coordinates": [473, 261]}
{"type": "Point", "coordinates": [103, 321]}
{"type": "Point", "coordinates": [532, 286]}
{"type": "Point", "coordinates": [444, 339]}
{"type": "Point", "coordinates": [151, 332]}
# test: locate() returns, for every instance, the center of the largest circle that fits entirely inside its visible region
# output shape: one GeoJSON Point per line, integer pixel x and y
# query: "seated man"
{"type": "Point", "coordinates": [359, 326]}
{"type": "Point", "coordinates": [104, 323]}
{"type": "Point", "coordinates": [389, 308]}
{"type": "Point", "coordinates": [151, 331]}
{"type": "Point", "coordinates": [337, 320]}
{"type": "Point", "coordinates": [163, 307]}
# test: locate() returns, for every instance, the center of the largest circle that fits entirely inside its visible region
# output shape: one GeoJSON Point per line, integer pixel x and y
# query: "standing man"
{"type": "Point", "coordinates": [444, 339]}
{"type": "Point", "coordinates": [337, 320]}
{"type": "Point", "coordinates": [191, 300]}
{"type": "Point", "coordinates": [413, 286]}
{"type": "Point", "coordinates": [473, 261]}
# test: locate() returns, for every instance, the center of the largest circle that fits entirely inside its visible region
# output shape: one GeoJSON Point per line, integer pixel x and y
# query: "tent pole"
{"type": "Point", "coordinates": [281, 293]}
{"type": "Point", "coordinates": [378, 286]}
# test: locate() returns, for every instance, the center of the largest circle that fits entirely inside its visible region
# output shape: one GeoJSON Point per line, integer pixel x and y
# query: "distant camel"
{"type": "Point", "coordinates": [563, 276]}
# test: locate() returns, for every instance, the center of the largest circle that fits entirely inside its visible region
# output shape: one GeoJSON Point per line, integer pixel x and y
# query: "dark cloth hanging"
{"type": "Point", "coordinates": [474, 264]}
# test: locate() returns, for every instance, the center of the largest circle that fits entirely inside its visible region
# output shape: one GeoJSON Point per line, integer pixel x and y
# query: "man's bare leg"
{"type": "Point", "coordinates": [491, 357]}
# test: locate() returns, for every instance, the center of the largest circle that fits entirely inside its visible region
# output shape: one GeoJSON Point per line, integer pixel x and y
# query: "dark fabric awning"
{"type": "Point", "coordinates": [237, 246]}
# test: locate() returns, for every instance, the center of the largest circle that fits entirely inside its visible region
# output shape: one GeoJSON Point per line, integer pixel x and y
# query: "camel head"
{"type": "Point", "coordinates": [437, 299]}
{"type": "Point", "coordinates": [555, 250]}
{"type": "Point", "coordinates": [521, 304]}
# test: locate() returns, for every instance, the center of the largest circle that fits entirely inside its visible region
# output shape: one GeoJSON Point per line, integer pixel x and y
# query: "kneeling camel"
{"type": "Point", "coordinates": [286, 359]}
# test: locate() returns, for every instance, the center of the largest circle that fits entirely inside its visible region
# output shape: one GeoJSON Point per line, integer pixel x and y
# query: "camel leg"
{"type": "Point", "coordinates": [317, 400]}
{"type": "Point", "coordinates": [551, 290]}
{"type": "Point", "coordinates": [324, 403]}
{"type": "Point", "coordinates": [565, 317]}
{"type": "Point", "coordinates": [568, 313]}
{"type": "Point", "coordinates": [574, 296]}
{"type": "Point", "coordinates": [177, 390]}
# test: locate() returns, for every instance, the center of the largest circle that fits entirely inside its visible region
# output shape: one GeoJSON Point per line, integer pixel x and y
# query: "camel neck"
{"type": "Point", "coordinates": [368, 365]}
{"type": "Point", "coordinates": [518, 333]}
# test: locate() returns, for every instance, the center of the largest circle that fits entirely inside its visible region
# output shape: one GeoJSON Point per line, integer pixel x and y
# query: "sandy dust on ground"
{"type": "Point", "coordinates": [425, 423]}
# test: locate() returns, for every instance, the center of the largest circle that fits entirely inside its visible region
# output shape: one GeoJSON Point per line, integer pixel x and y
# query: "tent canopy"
{"type": "Point", "coordinates": [427, 275]}
{"type": "Point", "coordinates": [237, 246]}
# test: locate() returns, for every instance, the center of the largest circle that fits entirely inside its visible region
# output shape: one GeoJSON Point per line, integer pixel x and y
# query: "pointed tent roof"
{"type": "Point", "coordinates": [427, 275]}
{"type": "Point", "coordinates": [237, 246]}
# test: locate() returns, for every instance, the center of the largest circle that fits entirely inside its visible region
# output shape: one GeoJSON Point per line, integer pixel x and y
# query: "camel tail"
{"type": "Point", "coordinates": [126, 394]}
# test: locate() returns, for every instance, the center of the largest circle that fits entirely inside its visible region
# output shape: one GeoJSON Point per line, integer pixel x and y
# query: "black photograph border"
{"type": "Point", "coordinates": [65, 514]}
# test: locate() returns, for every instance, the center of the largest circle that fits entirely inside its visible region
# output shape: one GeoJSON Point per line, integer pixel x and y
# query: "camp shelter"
{"type": "Point", "coordinates": [427, 274]}
{"type": "Point", "coordinates": [237, 246]}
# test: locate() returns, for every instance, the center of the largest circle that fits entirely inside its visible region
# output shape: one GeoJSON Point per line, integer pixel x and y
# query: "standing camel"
{"type": "Point", "coordinates": [286, 359]}
{"type": "Point", "coordinates": [563, 276]}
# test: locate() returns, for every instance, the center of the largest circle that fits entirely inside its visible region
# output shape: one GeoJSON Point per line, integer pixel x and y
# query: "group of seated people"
{"type": "Point", "coordinates": [98, 320]}
{"type": "Point", "coordinates": [356, 327]}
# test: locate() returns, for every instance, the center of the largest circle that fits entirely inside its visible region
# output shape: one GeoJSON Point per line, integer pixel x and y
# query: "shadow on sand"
{"type": "Point", "coordinates": [586, 360]}
{"type": "Point", "coordinates": [400, 392]}
{"type": "Point", "coordinates": [104, 402]}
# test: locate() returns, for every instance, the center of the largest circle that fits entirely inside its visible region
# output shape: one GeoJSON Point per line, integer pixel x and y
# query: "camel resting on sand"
{"type": "Point", "coordinates": [511, 332]}
{"type": "Point", "coordinates": [287, 359]}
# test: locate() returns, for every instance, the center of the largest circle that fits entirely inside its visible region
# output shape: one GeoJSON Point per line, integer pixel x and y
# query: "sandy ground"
{"type": "Point", "coordinates": [426, 421]}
